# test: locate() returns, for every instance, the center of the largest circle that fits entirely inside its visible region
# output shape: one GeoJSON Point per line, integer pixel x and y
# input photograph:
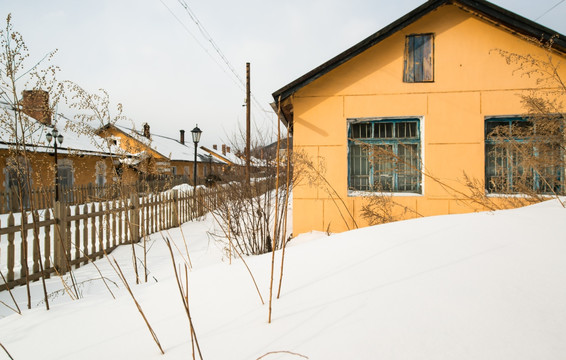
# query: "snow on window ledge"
{"type": "Point", "coordinates": [359, 193]}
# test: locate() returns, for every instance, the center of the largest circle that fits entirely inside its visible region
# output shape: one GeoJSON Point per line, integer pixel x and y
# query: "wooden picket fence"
{"type": "Point", "coordinates": [66, 236]}
{"type": "Point", "coordinates": [43, 197]}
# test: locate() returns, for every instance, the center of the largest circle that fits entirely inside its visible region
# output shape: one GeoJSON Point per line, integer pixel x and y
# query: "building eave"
{"type": "Point", "coordinates": [484, 9]}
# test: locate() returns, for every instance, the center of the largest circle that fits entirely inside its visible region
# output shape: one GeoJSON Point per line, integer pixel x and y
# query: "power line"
{"type": "Point", "coordinates": [217, 49]}
{"type": "Point", "coordinates": [199, 43]}
{"type": "Point", "coordinates": [207, 36]}
{"type": "Point", "coordinates": [549, 10]}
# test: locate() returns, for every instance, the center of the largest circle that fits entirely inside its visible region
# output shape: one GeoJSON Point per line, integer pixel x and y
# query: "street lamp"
{"type": "Point", "coordinates": [57, 138]}
{"type": "Point", "coordinates": [196, 132]}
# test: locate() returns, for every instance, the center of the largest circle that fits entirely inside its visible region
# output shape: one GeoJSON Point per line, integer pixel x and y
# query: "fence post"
{"type": "Point", "coordinates": [60, 215]}
{"type": "Point", "coordinates": [134, 218]}
{"type": "Point", "coordinates": [175, 208]}
{"type": "Point", "coordinates": [11, 249]}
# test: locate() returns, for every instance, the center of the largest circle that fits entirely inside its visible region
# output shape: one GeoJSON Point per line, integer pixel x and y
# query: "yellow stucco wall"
{"type": "Point", "coordinates": [43, 168]}
{"type": "Point", "coordinates": [471, 82]}
{"type": "Point", "coordinates": [155, 164]}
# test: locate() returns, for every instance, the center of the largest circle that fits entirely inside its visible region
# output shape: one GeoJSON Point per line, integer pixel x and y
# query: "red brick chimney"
{"type": "Point", "coordinates": [215, 147]}
{"type": "Point", "coordinates": [146, 131]}
{"type": "Point", "coordinates": [227, 149]}
{"type": "Point", "coordinates": [223, 149]}
{"type": "Point", "coordinates": [182, 136]}
{"type": "Point", "coordinates": [35, 103]}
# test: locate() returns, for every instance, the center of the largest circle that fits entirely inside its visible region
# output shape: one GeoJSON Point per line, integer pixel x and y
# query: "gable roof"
{"type": "Point", "coordinates": [228, 157]}
{"type": "Point", "coordinates": [75, 141]}
{"type": "Point", "coordinates": [485, 9]}
{"type": "Point", "coordinates": [166, 147]}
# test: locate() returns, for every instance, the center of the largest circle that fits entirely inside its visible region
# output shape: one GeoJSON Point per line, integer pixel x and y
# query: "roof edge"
{"type": "Point", "coordinates": [507, 18]}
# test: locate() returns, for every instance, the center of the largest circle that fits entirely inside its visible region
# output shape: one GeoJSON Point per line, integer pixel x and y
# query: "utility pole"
{"type": "Point", "coordinates": [248, 113]}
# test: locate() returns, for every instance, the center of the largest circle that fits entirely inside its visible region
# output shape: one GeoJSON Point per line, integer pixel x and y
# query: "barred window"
{"type": "Point", "coordinates": [384, 155]}
{"type": "Point", "coordinates": [524, 156]}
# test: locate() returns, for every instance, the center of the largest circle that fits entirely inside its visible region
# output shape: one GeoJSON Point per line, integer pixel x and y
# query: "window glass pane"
{"type": "Point", "coordinates": [408, 167]}
{"type": "Point", "coordinates": [65, 173]}
{"type": "Point", "coordinates": [406, 130]}
{"type": "Point", "coordinates": [497, 128]}
{"type": "Point", "coordinates": [522, 128]}
{"type": "Point", "coordinates": [361, 131]}
{"type": "Point", "coordinates": [359, 168]}
{"type": "Point", "coordinates": [382, 130]}
{"type": "Point", "coordinates": [383, 161]}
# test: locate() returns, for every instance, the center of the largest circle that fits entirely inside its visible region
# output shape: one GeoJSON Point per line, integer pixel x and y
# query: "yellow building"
{"type": "Point", "coordinates": [82, 159]}
{"type": "Point", "coordinates": [158, 155]}
{"type": "Point", "coordinates": [426, 88]}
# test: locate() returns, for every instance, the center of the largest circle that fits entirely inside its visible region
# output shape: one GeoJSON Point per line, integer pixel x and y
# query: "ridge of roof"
{"type": "Point", "coordinates": [491, 11]}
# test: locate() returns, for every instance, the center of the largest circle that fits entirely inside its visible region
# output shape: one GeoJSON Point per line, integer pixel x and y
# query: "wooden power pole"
{"type": "Point", "coordinates": [248, 114]}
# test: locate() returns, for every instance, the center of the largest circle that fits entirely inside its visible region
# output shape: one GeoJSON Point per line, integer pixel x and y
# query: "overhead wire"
{"type": "Point", "coordinates": [549, 10]}
{"type": "Point", "coordinates": [223, 57]}
{"type": "Point", "coordinates": [199, 43]}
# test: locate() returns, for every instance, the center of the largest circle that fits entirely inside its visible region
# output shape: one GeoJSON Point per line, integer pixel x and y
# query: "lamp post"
{"type": "Point", "coordinates": [196, 132]}
{"type": "Point", "coordinates": [57, 138]}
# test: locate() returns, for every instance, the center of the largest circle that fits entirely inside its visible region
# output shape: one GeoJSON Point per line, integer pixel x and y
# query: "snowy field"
{"type": "Point", "coordinates": [478, 286]}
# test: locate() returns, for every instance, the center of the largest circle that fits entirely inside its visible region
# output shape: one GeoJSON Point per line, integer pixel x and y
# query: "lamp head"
{"type": "Point", "coordinates": [196, 132]}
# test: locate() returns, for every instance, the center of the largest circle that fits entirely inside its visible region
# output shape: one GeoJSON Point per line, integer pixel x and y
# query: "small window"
{"type": "Point", "coordinates": [419, 64]}
{"type": "Point", "coordinates": [385, 156]}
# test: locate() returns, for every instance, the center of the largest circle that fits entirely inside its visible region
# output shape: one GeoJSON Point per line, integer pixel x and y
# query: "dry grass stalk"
{"type": "Point", "coordinates": [66, 287]}
{"type": "Point", "coordinates": [6, 351]}
{"type": "Point", "coordinates": [67, 264]}
{"type": "Point", "coordinates": [186, 246]}
{"type": "Point", "coordinates": [18, 127]}
{"type": "Point", "coordinates": [276, 218]}
{"type": "Point", "coordinates": [125, 282]}
{"type": "Point", "coordinates": [35, 217]}
{"type": "Point", "coordinates": [99, 272]}
{"type": "Point", "coordinates": [245, 264]}
{"type": "Point", "coordinates": [186, 261]}
{"type": "Point", "coordinates": [282, 352]}
{"type": "Point", "coordinates": [287, 188]}
{"type": "Point", "coordinates": [12, 296]}
{"type": "Point", "coordinates": [380, 208]}
{"type": "Point", "coordinates": [315, 176]}
{"type": "Point", "coordinates": [17, 311]}
{"type": "Point", "coordinates": [185, 298]}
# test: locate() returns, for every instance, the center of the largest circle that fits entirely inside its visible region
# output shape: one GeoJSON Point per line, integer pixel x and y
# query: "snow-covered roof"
{"type": "Point", "coordinates": [232, 158]}
{"type": "Point", "coordinates": [77, 139]}
{"type": "Point", "coordinates": [168, 147]}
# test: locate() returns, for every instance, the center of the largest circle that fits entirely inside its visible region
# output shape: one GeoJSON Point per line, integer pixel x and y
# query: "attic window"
{"type": "Point", "coordinates": [114, 140]}
{"type": "Point", "coordinates": [419, 62]}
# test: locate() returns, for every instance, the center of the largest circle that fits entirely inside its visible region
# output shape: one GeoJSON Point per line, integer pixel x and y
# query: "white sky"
{"type": "Point", "coordinates": [140, 53]}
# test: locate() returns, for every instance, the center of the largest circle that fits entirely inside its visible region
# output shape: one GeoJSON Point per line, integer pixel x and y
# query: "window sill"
{"type": "Point", "coordinates": [550, 196]}
{"type": "Point", "coordinates": [360, 193]}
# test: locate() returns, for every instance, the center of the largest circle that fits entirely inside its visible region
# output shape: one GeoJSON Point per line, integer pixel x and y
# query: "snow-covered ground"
{"type": "Point", "coordinates": [478, 286]}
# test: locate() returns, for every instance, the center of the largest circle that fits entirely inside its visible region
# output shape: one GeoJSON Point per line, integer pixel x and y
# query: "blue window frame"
{"type": "Point", "coordinates": [384, 155]}
{"type": "Point", "coordinates": [521, 159]}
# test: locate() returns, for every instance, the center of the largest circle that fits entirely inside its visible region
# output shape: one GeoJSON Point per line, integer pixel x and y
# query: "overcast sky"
{"type": "Point", "coordinates": [151, 56]}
